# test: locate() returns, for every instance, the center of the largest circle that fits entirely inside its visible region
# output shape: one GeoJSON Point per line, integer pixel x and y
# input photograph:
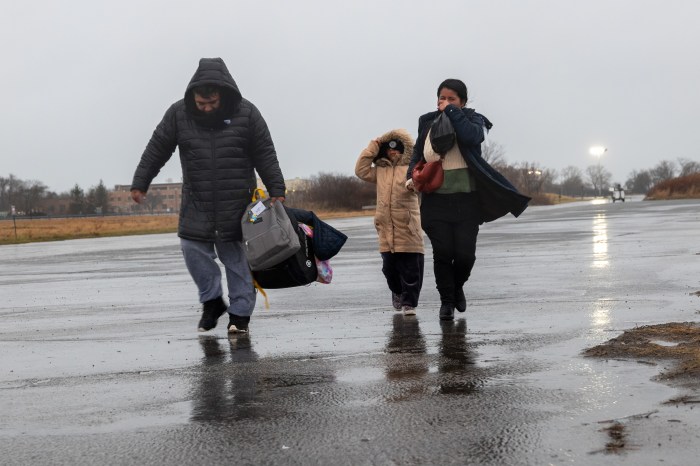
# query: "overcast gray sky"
{"type": "Point", "coordinates": [86, 81]}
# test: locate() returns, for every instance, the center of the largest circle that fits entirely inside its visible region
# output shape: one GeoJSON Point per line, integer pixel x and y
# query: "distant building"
{"type": "Point", "coordinates": [166, 197]}
{"type": "Point", "coordinates": [161, 198]}
{"type": "Point", "coordinates": [295, 184]}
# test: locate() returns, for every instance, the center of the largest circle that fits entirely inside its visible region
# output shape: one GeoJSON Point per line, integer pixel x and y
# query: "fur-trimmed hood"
{"type": "Point", "coordinates": [402, 135]}
{"type": "Point", "coordinates": [397, 214]}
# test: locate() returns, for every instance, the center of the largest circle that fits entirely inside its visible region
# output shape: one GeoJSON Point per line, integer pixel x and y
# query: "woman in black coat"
{"type": "Point", "coordinates": [473, 192]}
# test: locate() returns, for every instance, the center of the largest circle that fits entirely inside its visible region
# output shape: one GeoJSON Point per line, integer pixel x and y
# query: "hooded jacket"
{"type": "Point", "coordinates": [397, 215]}
{"type": "Point", "coordinates": [219, 154]}
{"type": "Point", "coordinates": [497, 196]}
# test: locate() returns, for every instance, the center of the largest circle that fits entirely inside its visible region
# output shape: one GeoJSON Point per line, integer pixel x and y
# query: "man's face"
{"type": "Point", "coordinates": [207, 104]}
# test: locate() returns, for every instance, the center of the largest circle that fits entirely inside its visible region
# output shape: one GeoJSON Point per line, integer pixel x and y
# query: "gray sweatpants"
{"type": "Point", "coordinates": [200, 258]}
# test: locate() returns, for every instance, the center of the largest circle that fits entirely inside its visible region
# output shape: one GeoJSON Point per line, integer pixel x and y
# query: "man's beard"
{"type": "Point", "coordinates": [213, 119]}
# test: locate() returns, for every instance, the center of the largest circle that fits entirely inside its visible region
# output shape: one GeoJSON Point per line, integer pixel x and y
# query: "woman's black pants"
{"type": "Point", "coordinates": [451, 221]}
{"type": "Point", "coordinates": [404, 275]}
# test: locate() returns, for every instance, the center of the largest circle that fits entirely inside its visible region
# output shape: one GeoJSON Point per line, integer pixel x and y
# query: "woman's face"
{"type": "Point", "coordinates": [392, 153]}
{"type": "Point", "coordinates": [448, 96]}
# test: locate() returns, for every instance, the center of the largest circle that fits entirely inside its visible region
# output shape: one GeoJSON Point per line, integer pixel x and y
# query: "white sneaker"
{"type": "Point", "coordinates": [409, 310]}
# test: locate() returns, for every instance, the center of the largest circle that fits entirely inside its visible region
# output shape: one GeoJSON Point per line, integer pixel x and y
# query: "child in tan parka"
{"type": "Point", "coordinates": [397, 217]}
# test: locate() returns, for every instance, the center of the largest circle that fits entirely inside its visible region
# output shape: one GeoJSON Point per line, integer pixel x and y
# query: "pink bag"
{"type": "Point", "coordinates": [325, 272]}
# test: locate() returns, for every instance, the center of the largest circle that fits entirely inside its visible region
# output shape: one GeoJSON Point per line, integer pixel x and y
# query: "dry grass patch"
{"type": "Point", "coordinates": [677, 341]}
{"type": "Point", "coordinates": [55, 229]}
{"type": "Point", "coordinates": [331, 214]}
{"type": "Point", "coordinates": [618, 437]}
{"type": "Point", "coordinates": [684, 187]}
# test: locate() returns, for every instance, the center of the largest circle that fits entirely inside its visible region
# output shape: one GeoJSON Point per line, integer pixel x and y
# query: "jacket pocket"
{"type": "Point", "coordinates": [414, 224]}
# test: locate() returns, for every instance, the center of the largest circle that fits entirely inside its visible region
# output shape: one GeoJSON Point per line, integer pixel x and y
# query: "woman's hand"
{"type": "Point", "coordinates": [374, 146]}
{"type": "Point", "coordinates": [442, 104]}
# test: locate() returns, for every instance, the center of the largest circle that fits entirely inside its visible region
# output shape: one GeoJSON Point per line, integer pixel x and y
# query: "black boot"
{"type": "Point", "coordinates": [238, 324]}
{"type": "Point", "coordinates": [396, 301]}
{"type": "Point", "coordinates": [211, 311]}
{"type": "Point", "coordinates": [460, 300]}
{"type": "Point", "coordinates": [447, 311]}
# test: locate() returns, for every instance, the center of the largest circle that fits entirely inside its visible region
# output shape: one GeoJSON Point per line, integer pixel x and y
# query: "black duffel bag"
{"type": "Point", "coordinates": [298, 270]}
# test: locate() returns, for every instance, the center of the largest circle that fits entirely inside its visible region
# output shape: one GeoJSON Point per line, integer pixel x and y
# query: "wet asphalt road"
{"type": "Point", "coordinates": [101, 362]}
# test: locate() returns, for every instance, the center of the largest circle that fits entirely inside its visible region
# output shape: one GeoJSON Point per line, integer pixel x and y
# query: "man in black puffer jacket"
{"type": "Point", "coordinates": [222, 139]}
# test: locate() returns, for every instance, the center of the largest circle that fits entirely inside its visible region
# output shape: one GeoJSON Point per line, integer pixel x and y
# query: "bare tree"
{"type": "Point", "coordinates": [32, 193]}
{"type": "Point", "coordinates": [599, 177]}
{"type": "Point", "coordinates": [664, 170]}
{"type": "Point", "coordinates": [528, 178]}
{"type": "Point", "coordinates": [549, 177]}
{"type": "Point", "coordinates": [688, 167]}
{"type": "Point", "coordinates": [493, 153]}
{"type": "Point", "coordinates": [330, 191]}
{"type": "Point", "coordinates": [4, 195]}
{"type": "Point", "coordinates": [532, 178]}
{"type": "Point", "coordinates": [24, 195]}
{"type": "Point", "coordinates": [639, 181]}
{"type": "Point", "coordinates": [10, 190]}
{"type": "Point", "coordinates": [513, 174]}
{"type": "Point", "coordinates": [153, 201]}
{"type": "Point", "coordinates": [572, 181]}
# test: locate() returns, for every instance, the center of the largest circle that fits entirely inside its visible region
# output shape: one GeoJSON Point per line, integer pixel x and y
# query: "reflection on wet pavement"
{"type": "Point", "coordinates": [225, 394]}
{"type": "Point", "coordinates": [600, 241]}
{"type": "Point", "coordinates": [406, 361]}
{"type": "Point", "coordinates": [602, 274]}
{"type": "Point", "coordinates": [405, 336]}
{"type": "Point", "coordinates": [457, 360]}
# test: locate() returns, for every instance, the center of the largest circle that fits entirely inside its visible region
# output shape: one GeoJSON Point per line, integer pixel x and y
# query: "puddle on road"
{"type": "Point", "coordinates": [663, 343]}
{"type": "Point", "coordinates": [360, 375]}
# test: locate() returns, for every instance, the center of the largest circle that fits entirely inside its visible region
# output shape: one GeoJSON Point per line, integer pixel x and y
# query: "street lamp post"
{"type": "Point", "coordinates": [598, 151]}
{"type": "Point", "coordinates": [533, 174]}
{"type": "Point", "coordinates": [14, 221]}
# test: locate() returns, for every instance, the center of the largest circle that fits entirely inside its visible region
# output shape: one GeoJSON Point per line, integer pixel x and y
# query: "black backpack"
{"type": "Point", "coordinates": [298, 270]}
{"type": "Point", "coordinates": [442, 134]}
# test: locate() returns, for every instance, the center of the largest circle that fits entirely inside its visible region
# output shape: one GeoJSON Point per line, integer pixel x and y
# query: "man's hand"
{"type": "Point", "coordinates": [138, 196]}
{"type": "Point", "coordinates": [275, 199]}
